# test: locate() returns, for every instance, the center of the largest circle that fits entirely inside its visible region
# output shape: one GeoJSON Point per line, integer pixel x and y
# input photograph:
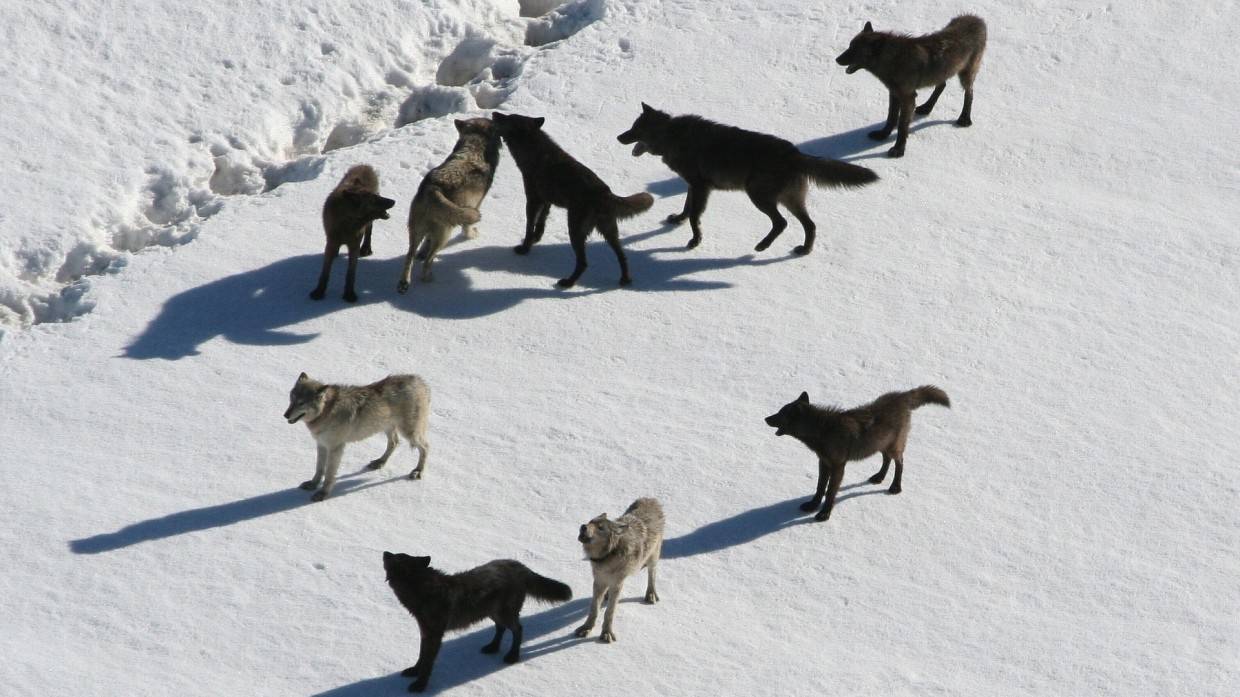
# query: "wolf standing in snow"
{"type": "Point", "coordinates": [617, 549]}
{"type": "Point", "coordinates": [348, 215]}
{"type": "Point", "coordinates": [441, 602]}
{"type": "Point", "coordinates": [340, 414]}
{"type": "Point", "coordinates": [450, 195]}
{"type": "Point", "coordinates": [709, 155]}
{"type": "Point", "coordinates": [553, 177]}
{"type": "Point", "coordinates": [837, 436]}
{"type": "Point", "coordinates": [906, 63]}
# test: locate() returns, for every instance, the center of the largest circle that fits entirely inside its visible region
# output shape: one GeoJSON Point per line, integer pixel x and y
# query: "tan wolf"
{"type": "Point", "coordinates": [341, 414]}
{"type": "Point", "coordinates": [617, 549]}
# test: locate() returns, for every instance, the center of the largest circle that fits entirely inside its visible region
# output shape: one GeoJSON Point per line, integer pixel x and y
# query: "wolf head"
{"type": "Point", "coordinates": [366, 205]}
{"type": "Point", "coordinates": [306, 399]}
{"type": "Point", "coordinates": [862, 51]}
{"type": "Point", "coordinates": [478, 126]}
{"type": "Point", "coordinates": [509, 125]}
{"type": "Point", "coordinates": [598, 537]}
{"type": "Point", "coordinates": [400, 567]}
{"type": "Point", "coordinates": [784, 419]}
{"type": "Point", "coordinates": [646, 131]}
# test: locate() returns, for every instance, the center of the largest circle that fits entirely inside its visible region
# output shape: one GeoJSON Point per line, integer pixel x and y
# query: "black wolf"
{"type": "Point", "coordinates": [350, 210]}
{"type": "Point", "coordinates": [709, 155]}
{"type": "Point", "coordinates": [906, 63]}
{"type": "Point", "coordinates": [440, 602]}
{"type": "Point", "coordinates": [553, 177]}
{"type": "Point", "coordinates": [837, 436]}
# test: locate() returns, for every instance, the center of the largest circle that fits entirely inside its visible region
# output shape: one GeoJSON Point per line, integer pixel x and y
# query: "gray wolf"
{"type": "Point", "coordinates": [348, 214]}
{"type": "Point", "coordinates": [450, 194]}
{"type": "Point", "coordinates": [837, 436]}
{"type": "Point", "coordinates": [617, 549]}
{"type": "Point", "coordinates": [709, 155]}
{"type": "Point", "coordinates": [906, 63]}
{"type": "Point", "coordinates": [442, 602]}
{"type": "Point", "coordinates": [340, 414]}
{"type": "Point", "coordinates": [553, 177]}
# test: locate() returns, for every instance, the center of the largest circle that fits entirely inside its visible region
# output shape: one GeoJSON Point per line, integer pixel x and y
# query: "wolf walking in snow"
{"type": "Point", "coordinates": [340, 414]}
{"type": "Point", "coordinates": [837, 436]}
{"type": "Point", "coordinates": [906, 63]}
{"type": "Point", "coordinates": [709, 155]}
{"type": "Point", "coordinates": [450, 194]}
{"type": "Point", "coordinates": [617, 549]}
{"type": "Point", "coordinates": [553, 177]}
{"type": "Point", "coordinates": [348, 214]}
{"type": "Point", "coordinates": [441, 602]}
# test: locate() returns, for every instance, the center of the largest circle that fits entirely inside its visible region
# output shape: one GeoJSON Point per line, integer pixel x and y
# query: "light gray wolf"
{"type": "Point", "coordinates": [906, 63]}
{"type": "Point", "coordinates": [348, 214]}
{"type": "Point", "coordinates": [450, 194]}
{"type": "Point", "coordinates": [442, 602]}
{"type": "Point", "coordinates": [616, 550]}
{"type": "Point", "coordinates": [553, 177]}
{"type": "Point", "coordinates": [839, 435]}
{"type": "Point", "coordinates": [340, 414]}
{"type": "Point", "coordinates": [709, 155]}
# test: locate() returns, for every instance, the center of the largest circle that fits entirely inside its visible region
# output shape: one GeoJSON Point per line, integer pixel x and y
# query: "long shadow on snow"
{"type": "Point", "coordinates": [849, 145]}
{"type": "Point", "coordinates": [460, 661]}
{"type": "Point", "coordinates": [746, 527]}
{"type": "Point", "coordinates": [252, 307]}
{"type": "Point", "coordinates": [218, 516]}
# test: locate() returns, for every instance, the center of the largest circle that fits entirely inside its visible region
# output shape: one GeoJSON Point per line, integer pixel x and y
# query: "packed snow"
{"type": "Point", "coordinates": [1067, 270]}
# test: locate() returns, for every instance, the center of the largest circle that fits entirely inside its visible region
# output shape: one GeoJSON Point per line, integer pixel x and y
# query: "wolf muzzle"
{"type": "Point", "coordinates": [631, 137]}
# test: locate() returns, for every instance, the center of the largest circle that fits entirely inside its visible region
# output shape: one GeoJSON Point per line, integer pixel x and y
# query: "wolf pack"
{"type": "Point", "coordinates": [707, 155]}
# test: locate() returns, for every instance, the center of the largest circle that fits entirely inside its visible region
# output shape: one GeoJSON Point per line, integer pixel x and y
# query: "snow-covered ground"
{"type": "Point", "coordinates": [1067, 269]}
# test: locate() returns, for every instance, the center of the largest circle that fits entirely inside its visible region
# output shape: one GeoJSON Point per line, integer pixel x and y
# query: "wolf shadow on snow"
{"type": "Point", "coordinates": [254, 307]}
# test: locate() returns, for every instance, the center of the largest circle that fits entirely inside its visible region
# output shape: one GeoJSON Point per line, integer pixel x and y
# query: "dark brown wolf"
{"type": "Point", "coordinates": [906, 63]}
{"type": "Point", "coordinates": [837, 436]}
{"type": "Point", "coordinates": [442, 602]}
{"type": "Point", "coordinates": [348, 214]}
{"type": "Point", "coordinates": [709, 155]}
{"type": "Point", "coordinates": [553, 177]}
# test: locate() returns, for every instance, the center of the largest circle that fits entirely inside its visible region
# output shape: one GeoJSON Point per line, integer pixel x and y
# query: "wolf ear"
{"type": "Point", "coordinates": [647, 109]}
{"type": "Point", "coordinates": [387, 555]}
{"type": "Point", "coordinates": [460, 125]}
{"type": "Point", "coordinates": [867, 28]}
{"type": "Point", "coordinates": [538, 122]}
{"type": "Point", "coordinates": [422, 562]}
{"type": "Point", "coordinates": [804, 398]}
{"type": "Point", "coordinates": [303, 377]}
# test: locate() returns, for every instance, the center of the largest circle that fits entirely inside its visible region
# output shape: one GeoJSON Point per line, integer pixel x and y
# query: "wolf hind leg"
{"type": "Point", "coordinates": [417, 245]}
{"type": "Point", "coordinates": [493, 645]}
{"type": "Point", "coordinates": [966, 81]}
{"type": "Point", "coordinates": [766, 202]}
{"type": "Point", "coordinates": [794, 200]}
{"type": "Point", "coordinates": [435, 242]}
{"type": "Point", "coordinates": [518, 632]}
{"type": "Point", "coordinates": [392, 440]}
{"type": "Point", "coordinates": [579, 227]}
{"type": "Point", "coordinates": [652, 595]}
{"type": "Point", "coordinates": [366, 249]}
{"type": "Point", "coordinates": [607, 226]}
{"type": "Point", "coordinates": [926, 108]}
{"type": "Point", "coordinates": [414, 430]}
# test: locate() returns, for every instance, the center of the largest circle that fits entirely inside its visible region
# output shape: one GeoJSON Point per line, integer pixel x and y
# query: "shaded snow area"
{"type": "Point", "coordinates": [1067, 270]}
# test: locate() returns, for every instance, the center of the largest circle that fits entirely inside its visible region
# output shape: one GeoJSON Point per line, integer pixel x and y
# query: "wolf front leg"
{"type": "Point", "coordinates": [837, 474]}
{"type": "Point", "coordinates": [607, 636]}
{"type": "Point", "coordinates": [421, 671]}
{"type": "Point", "coordinates": [824, 475]}
{"type": "Point", "coordinates": [893, 113]}
{"type": "Point", "coordinates": [906, 117]}
{"type": "Point", "coordinates": [600, 590]}
{"type": "Point", "coordinates": [320, 466]}
{"type": "Point", "coordinates": [329, 481]}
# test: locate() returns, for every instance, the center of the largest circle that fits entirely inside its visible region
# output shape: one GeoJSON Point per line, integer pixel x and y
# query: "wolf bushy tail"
{"type": "Point", "coordinates": [833, 173]}
{"type": "Point", "coordinates": [927, 394]}
{"type": "Point", "coordinates": [548, 589]}
{"type": "Point", "coordinates": [460, 215]}
{"type": "Point", "coordinates": [629, 206]}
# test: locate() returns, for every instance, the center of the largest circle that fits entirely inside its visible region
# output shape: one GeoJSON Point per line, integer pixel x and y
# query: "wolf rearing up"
{"type": "Point", "coordinates": [709, 155]}
{"type": "Point", "coordinates": [905, 63]}
{"type": "Point", "coordinates": [553, 177]}
{"type": "Point", "coordinates": [837, 436]}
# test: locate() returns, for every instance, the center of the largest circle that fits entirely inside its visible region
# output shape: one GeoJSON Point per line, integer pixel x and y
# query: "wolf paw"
{"type": "Point", "coordinates": [511, 658]}
{"type": "Point", "coordinates": [762, 246]}
{"type": "Point", "coordinates": [350, 297]}
{"type": "Point", "coordinates": [822, 515]}
{"type": "Point", "coordinates": [566, 283]}
{"type": "Point", "coordinates": [651, 597]}
{"type": "Point", "coordinates": [879, 135]}
{"type": "Point", "coordinates": [309, 485]}
{"type": "Point", "coordinates": [402, 287]}
{"type": "Point", "coordinates": [583, 630]}
{"type": "Point", "coordinates": [810, 505]}
{"type": "Point", "coordinates": [522, 249]}
{"type": "Point", "coordinates": [694, 242]}
{"type": "Point", "coordinates": [675, 219]}
{"type": "Point", "coordinates": [923, 110]}
{"type": "Point", "coordinates": [317, 294]}
{"type": "Point", "coordinates": [964, 123]}
{"type": "Point", "coordinates": [418, 685]}
{"type": "Point", "coordinates": [607, 636]}
{"type": "Point", "coordinates": [894, 490]}
{"type": "Point", "coordinates": [375, 464]}
{"type": "Point", "coordinates": [802, 249]}
{"type": "Point", "coordinates": [411, 671]}
{"type": "Point", "coordinates": [895, 152]}
{"type": "Point", "coordinates": [626, 281]}
{"type": "Point", "coordinates": [876, 479]}
{"type": "Point", "coordinates": [471, 233]}
{"type": "Point", "coordinates": [416, 474]}
{"type": "Point", "coordinates": [319, 495]}
{"type": "Point", "coordinates": [490, 648]}
{"type": "Point", "coordinates": [365, 252]}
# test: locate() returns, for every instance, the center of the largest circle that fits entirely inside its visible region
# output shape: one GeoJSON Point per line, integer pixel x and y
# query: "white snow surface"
{"type": "Point", "coordinates": [1067, 270]}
